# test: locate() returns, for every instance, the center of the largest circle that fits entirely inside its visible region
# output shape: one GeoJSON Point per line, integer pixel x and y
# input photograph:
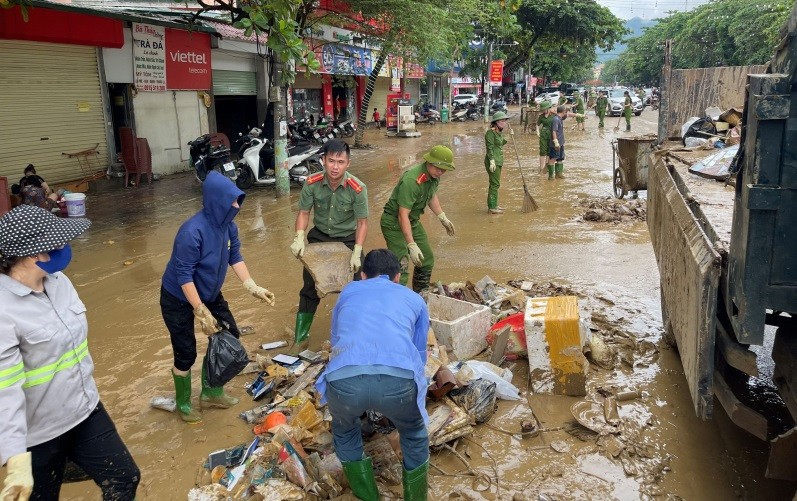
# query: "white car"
{"type": "Point", "coordinates": [617, 101]}
{"type": "Point", "coordinates": [465, 99]}
{"type": "Point", "coordinates": [553, 97]}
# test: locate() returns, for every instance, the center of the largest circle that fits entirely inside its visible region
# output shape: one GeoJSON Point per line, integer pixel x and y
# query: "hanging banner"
{"type": "Point", "coordinates": [340, 59]}
{"type": "Point", "coordinates": [496, 72]}
{"type": "Point", "coordinates": [170, 59]}
{"type": "Point", "coordinates": [149, 57]}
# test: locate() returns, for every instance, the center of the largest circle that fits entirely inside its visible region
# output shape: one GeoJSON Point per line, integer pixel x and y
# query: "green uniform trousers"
{"type": "Point", "coordinates": [391, 230]}
{"type": "Point", "coordinates": [495, 183]}
{"type": "Point", "coordinates": [601, 116]}
{"type": "Point", "coordinates": [627, 114]}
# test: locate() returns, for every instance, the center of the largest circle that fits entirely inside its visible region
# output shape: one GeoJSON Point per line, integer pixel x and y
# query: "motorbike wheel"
{"type": "Point", "coordinates": [475, 116]}
{"type": "Point", "coordinates": [245, 180]}
{"type": "Point", "coordinates": [314, 166]}
{"type": "Point", "coordinates": [348, 132]}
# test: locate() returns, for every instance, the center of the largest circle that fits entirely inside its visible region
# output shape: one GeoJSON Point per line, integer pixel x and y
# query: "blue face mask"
{"type": "Point", "coordinates": [59, 260]}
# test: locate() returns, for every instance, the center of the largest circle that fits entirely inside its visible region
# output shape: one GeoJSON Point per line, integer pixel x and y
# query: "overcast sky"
{"type": "Point", "coordinates": [648, 9]}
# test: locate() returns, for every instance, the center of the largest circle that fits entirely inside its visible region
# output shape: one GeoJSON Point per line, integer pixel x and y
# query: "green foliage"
{"type": "Point", "coordinates": [719, 33]}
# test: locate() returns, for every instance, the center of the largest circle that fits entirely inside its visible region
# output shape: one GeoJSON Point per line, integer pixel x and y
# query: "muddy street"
{"type": "Point", "coordinates": [118, 264]}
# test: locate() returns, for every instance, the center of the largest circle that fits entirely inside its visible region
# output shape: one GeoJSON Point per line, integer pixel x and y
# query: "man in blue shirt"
{"type": "Point", "coordinates": [379, 332]}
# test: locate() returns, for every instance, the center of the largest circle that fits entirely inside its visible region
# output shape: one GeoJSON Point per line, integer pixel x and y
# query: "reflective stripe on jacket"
{"type": "Point", "coordinates": [46, 372]}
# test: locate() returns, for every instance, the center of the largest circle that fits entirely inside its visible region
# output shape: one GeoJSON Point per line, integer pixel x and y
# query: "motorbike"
{"type": "Point", "coordinates": [473, 112]}
{"type": "Point", "coordinates": [654, 103]}
{"type": "Point", "coordinates": [427, 114]}
{"type": "Point", "coordinates": [256, 165]}
{"type": "Point", "coordinates": [459, 114]}
{"type": "Point", "coordinates": [205, 158]}
{"type": "Point", "coordinates": [498, 105]}
{"type": "Point", "coordinates": [347, 128]}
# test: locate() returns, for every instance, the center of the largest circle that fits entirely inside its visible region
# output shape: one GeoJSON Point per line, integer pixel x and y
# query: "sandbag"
{"type": "Point", "coordinates": [478, 399]}
{"type": "Point", "coordinates": [225, 359]}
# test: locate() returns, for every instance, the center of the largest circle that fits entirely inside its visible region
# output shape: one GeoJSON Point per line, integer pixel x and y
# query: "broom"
{"type": "Point", "coordinates": [617, 127]}
{"type": "Point", "coordinates": [529, 204]}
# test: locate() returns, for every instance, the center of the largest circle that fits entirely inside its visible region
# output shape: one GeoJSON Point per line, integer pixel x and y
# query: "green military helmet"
{"type": "Point", "coordinates": [440, 156]}
{"type": "Point", "coordinates": [545, 105]}
{"type": "Point", "coordinates": [499, 115]}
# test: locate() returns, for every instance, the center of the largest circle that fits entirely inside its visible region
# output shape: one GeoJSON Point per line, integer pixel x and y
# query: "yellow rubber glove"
{"type": "Point", "coordinates": [556, 144]}
{"type": "Point", "coordinates": [492, 165]}
{"type": "Point", "coordinates": [537, 131]}
{"type": "Point", "coordinates": [416, 256]}
{"type": "Point", "coordinates": [448, 225]}
{"type": "Point", "coordinates": [297, 247]}
{"type": "Point", "coordinates": [206, 321]}
{"type": "Point", "coordinates": [19, 478]}
{"type": "Point", "coordinates": [259, 292]}
{"type": "Point", "coordinates": [356, 258]}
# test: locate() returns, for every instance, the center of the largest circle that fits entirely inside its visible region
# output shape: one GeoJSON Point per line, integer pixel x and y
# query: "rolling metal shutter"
{"type": "Point", "coordinates": [234, 83]}
{"type": "Point", "coordinates": [51, 103]}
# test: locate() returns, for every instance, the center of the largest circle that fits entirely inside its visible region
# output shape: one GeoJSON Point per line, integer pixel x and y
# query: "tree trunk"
{"type": "Point", "coordinates": [369, 90]}
{"type": "Point", "coordinates": [282, 180]}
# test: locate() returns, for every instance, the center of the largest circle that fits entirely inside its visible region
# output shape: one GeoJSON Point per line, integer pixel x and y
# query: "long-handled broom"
{"type": "Point", "coordinates": [529, 204]}
{"type": "Point", "coordinates": [617, 127]}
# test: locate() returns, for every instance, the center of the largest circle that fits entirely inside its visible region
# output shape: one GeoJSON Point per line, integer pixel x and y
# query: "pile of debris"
{"type": "Point", "coordinates": [485, 328]}
{"type": "Point", "coordinates": [611, 210]}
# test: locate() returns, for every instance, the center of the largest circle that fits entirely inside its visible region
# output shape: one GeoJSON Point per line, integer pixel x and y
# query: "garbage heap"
{"type": "Point", "coordinates": [475, 329]}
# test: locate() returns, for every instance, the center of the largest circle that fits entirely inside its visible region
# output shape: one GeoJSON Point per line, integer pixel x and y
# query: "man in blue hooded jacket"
{"type": "Point", "coordinates": [204, 247]}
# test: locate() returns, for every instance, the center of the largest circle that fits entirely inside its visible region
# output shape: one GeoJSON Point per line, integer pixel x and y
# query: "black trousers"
{"type": "Point", "coordinates": [178, 315]}
{"type": "Point", "coordinates": [308, 297]}
{"type": "Point", "coordinates": [97, 448]}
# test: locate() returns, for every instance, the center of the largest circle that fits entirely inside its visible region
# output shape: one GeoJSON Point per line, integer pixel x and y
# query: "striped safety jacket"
{"type": "Point", "coordinates": [46, 382]}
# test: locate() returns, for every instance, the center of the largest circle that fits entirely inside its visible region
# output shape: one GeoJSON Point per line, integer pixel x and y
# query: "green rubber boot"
{"type": "Point", "coordinates": [560, 168]}
{"type": "Point", "coordinates": [415, 483]}
{"type": "Point", "coordinates": [302, 331]}
{"type": "Point", "coordinates": [182, 391]}
{"type": "Point", "coordinates": [550, 171]}
{"type": "Point", "coordinates": [360, 475]}
{"type": "Point", "coordinates": [214, 397]}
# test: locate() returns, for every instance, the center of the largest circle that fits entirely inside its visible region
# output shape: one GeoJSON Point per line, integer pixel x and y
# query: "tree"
{"type": "Point", "coordinates": [719, 33]}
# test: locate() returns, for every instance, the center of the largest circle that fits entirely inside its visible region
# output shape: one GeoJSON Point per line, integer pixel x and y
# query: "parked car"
{"type": "Point", "coordinates": [617, 101]}
{"type": "Point", "coordinates": [553, 97]}
{"type": "Point", "coordinates": [465, 99]}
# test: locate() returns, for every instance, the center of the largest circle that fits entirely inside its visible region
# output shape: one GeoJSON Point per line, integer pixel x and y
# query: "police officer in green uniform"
{"type": "Point", "coordinates": [401, 226]}
{"type": "Point", "coordinates": [340, 214]}
{"type": "Point", "coordinates": [579, 108]}
{"type": "Point", "coordinates": [544, 133]}
{"type": "Point", "coordinates": [562, 99]}
{"type": "Point", "coordinates": [628, 108]}
{"type": "Point", "coordinates": [600, 108]}
{"type": "Point", "coordinates": [494, 141]}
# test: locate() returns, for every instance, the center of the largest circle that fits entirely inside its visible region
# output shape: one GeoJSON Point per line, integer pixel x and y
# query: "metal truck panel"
{"type": "Point", "coordinates": [689, 267]}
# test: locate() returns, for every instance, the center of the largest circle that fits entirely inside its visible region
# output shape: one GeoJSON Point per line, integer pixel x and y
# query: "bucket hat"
{"type": "Point", "coordinates": [27, 230]}
{"type": "Point", "coordinates": [499, 115]}
{"type": "Point", "coordinates": [440, 156]}
{"type": "Point", "coordinates": [545, 105]}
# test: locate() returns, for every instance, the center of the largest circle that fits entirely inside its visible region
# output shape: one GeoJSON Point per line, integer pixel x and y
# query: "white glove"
{"type": "Point", "coordinates": [556, 144]}
{"type": "Point", "coordinates": [492, 165]}
{"type": "Point", "coordinates": [537, 131]}
{"type": "Point", "coordinates": [19, 478]}
{"type": "Point", "coordinates": [511, 132]}
{"type": "Point", "coordinates": [259, 292]}
{"type": "Point", "coordinates": [448, 225]}
{"type": "Point", "coordinates": [415, 254]}
{"type": "Point", "coordinates": [206, 321]}
{"type": "Point", "coordinates": [297, 247]}
{"type": "Point", "coordinates": [356, 258]}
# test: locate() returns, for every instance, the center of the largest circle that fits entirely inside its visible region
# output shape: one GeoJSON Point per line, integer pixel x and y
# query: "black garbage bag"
{"type": "Point", "coordinates": [225, 359]}
{"type": "Point", "coordinates": [478, 399]}
{"type": "Point", "coordinates": [701, 128]}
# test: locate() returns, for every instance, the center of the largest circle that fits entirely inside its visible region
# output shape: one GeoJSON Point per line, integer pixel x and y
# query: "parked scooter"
{"type": "Point", "coordinates": [460, 114]}
{"type": "Point", "coordinates": [473, 112]}
{"type": "Point", "coordinates": [427, 115]}
{"type": "Point", "coordinates": [498, 105]}
{"type": "Point", "coordinates": [256, 166]}
{"type": "Point", "coordinates": [205, 158]}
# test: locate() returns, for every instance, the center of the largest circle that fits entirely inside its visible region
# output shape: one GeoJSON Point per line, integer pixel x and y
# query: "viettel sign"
{"type": "Point", "coordinates": [496, 72]}
{"type": "Point", "coordinates": [170, 59]}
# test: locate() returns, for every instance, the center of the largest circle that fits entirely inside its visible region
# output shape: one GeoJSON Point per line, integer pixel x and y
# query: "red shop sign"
{"type": "Point", "coordinates": [496, 72]}
{"type": "Point", "coordinates": [187, 60]}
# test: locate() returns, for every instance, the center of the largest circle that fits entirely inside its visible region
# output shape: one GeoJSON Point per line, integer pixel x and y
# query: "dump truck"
{"type": "Point", "coordinates": [727, 251]}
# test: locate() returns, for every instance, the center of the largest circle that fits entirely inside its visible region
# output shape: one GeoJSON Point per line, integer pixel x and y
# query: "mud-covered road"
{"type": "Point", "coordinates": [118, 264]}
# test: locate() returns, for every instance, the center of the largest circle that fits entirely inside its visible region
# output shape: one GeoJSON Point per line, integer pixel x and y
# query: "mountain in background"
{"type": "Point", "coordinates": [636, 26]}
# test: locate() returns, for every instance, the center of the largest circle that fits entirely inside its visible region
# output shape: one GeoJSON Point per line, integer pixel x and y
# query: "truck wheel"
{"type": "Point", "coordinates": [619, 184]}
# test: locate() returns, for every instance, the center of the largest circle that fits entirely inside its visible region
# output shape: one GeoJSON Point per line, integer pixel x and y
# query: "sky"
{"type": "Point", "coordinates": [648, 9]}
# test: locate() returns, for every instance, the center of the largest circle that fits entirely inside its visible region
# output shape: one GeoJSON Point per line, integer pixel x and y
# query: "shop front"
{"type": "Point", "coordinates": [53, 92]}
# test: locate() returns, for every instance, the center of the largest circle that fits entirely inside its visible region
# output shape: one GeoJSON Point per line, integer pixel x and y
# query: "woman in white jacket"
{"type": "Point", "coordinates": [49, 404]}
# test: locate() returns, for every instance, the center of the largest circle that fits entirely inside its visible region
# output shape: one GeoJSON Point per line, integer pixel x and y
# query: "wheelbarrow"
{"type": "Point", "coordinates": [630, 164]}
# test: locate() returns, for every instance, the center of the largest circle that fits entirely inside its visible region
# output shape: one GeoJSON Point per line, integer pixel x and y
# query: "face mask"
{"type": "Point", "coordinates": [59, 260]}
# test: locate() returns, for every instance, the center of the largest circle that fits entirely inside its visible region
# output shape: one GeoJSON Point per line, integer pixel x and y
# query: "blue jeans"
{"type": "Point", "coordinates": [392, 396]}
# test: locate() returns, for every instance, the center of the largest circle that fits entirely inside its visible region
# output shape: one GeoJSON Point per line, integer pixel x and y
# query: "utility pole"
{"type": "Point", "coordinates": [489, 91]}
{"type": "Point", "coordinates": [283, 183]}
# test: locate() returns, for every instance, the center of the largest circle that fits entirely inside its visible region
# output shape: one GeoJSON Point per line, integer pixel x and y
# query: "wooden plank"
{"type": "Point", "coordinates": [736, 354]}
{"type": "Point", "coordinates": [782, 452]}
{"type": "Point", "coordinates": [304, 380]}
{"type": "Point", "coordinates": [742, 416]}
{"type": "Point", "coordinates": [689, 267]}
{"type": "Point", "coordinates": [499, 346]}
